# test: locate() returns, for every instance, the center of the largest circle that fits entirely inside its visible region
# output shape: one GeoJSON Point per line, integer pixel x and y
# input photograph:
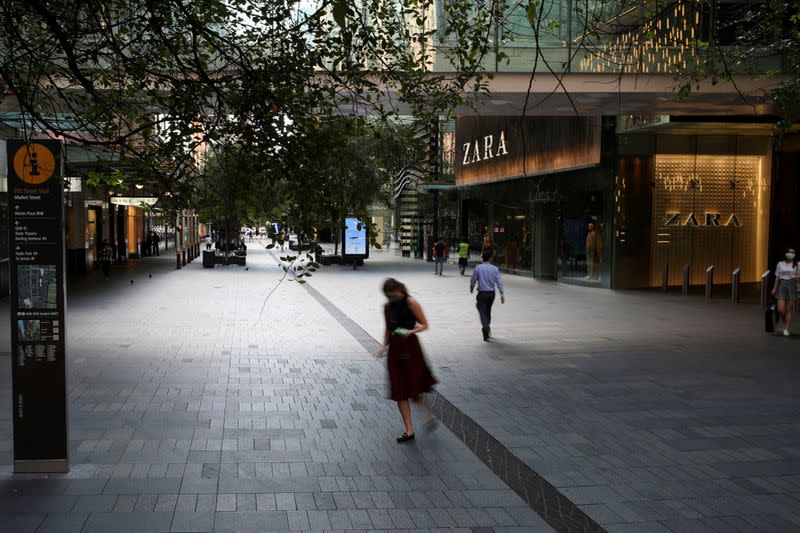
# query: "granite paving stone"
{"type": "Point", "coordinates": [616, 398]}
{"type": "Point", "coordinates": [189, 413]}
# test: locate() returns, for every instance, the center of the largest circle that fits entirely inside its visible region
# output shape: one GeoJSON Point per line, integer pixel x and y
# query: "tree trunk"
{"type": "Point", "coordinates": [335, 235]}
{"type": "Point", "coordinates": [227, 236]}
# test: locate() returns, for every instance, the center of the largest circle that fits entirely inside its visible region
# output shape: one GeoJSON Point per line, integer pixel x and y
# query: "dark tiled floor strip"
{"type": "Point", "coordinates": [544, 498]}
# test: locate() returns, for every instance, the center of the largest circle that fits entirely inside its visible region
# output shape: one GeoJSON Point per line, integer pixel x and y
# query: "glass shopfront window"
{"type": "Point", "coordinates": [135, 229]}
{"type": "Point", "coordinates": [512, 238]}
{"type": "Point", "coordinates": [582, 245]}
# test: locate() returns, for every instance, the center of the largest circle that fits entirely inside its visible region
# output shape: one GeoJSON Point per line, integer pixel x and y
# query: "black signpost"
{"type": "Point", "coordinates": [39, 385]}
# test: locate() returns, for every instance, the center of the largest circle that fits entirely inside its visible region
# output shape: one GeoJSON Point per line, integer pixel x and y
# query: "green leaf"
{"type": "Point", "coordinates": [340, 12]}
{"type": "Point", "coordinates": [532, 13]}
{"type": "Point", "coordinates": [270, 246]}
{"type": "Point", "coordinates": [307, 274]}
{"type": "Point", "coordinates": [301, 280]}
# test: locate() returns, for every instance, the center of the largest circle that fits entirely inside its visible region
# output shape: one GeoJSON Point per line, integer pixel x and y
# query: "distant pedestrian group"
{"type": "Point", "coordinates": [485, 276]}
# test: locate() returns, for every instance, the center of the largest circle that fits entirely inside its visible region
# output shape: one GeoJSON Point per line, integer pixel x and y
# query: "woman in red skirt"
{"type": "Point", "coordinates": [409, 375]}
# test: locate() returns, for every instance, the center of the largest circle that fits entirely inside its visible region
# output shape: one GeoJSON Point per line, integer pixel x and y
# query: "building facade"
{"type": "Point", "coordinates": [623, 203]}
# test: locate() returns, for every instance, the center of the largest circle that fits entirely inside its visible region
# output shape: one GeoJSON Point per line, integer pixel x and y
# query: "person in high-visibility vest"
{"type": "Point", "coordinates": [463, 255]}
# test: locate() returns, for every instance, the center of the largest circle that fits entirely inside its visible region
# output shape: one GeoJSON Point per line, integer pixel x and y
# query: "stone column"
{"type": "Point", "coordinates": [183, 237]}
{"type": "Point", "coordinates": [194, 236]}
{"type": "Point", "coordinates": [197, 236]}
{"type": "Point", "coordinates": [178, 240]}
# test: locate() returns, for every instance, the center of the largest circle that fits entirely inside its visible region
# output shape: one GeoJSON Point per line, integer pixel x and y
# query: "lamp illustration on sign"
{"type": "Point", "coordinates": [476, 151]}
{"type": "Point", "coordinates": [34, 163]}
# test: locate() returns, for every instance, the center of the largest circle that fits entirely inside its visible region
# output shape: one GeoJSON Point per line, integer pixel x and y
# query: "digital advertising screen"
{"type": "Point", "coordinates": [355, 242]}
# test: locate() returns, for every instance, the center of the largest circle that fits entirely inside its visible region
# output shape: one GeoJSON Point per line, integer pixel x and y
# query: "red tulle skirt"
{"type": "Point", "coordinates": [409, 374]}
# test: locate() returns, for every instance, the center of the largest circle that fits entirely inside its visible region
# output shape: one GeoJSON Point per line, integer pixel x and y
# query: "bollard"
{"type": "Point", "coordinates": [765, 289]}
{"type": "Point", "coordinates": [665, 277]}
{"type": "Point", "coordinates": [178, 256]}
{"type": "Point", "coordinates": [685, 288]}
{"type": "Point", "coordinates": [709, 281]}
{"type": "Point", "coordinates": [735, 285]}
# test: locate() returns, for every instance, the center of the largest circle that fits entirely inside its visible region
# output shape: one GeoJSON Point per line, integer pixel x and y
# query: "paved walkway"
{"type": "Point", "coordinates": [652, 413]}
{"type": "Point", "coordinates": [188, 415]}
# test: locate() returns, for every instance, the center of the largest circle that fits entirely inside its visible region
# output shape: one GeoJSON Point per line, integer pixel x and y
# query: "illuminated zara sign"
{"type": "Point", "coordinates": [482, 149]}
{"type": "Point", "coordinates": [707, 220]}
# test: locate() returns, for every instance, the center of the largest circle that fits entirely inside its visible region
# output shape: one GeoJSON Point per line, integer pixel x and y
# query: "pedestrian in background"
{"type": "Point", "coordinates": [439, 256]}
{"type": "Point", "coordinates": [486, 276]}
{"type": "Point", "coordinates": [156, 240]}
{"type": "Point", "coordinates": [409, 374]}
{"type": "Point", "coordinates": [787, 277]}
{"type": "Point", "coordinates": [104, 258]}
{"type": "Point", "coordinates": [487, 246]}
{"type": "Point", "coordinates": [463, 255]}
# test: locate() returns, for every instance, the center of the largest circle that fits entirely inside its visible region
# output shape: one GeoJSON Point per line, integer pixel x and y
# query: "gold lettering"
{"type": "Point", "coordinates": [734, 221]}
{"type": "Point", "coordinates": [672, 219]}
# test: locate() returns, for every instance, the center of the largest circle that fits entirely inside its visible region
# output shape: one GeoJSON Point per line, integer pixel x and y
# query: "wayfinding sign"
{"type": "Point", "coordinates": [39, 386]}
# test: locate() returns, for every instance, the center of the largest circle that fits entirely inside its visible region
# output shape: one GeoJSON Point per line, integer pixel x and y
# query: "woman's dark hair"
{"type": "Point", "coordinates": [391, 285]}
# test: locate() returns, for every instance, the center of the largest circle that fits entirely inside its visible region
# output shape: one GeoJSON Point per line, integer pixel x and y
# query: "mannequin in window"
{"type": "Point", "coordinates": [594, 252]}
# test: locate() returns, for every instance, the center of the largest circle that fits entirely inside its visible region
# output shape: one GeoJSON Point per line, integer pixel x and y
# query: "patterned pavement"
{"type": "Point", "coordinates": [650, 412]}
{"type": "Point", "coordinates": [188, 414]}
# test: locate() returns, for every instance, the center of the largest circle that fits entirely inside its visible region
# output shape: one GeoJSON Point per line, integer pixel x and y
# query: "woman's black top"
{"type": "Point", "coordinates": [400, 315]}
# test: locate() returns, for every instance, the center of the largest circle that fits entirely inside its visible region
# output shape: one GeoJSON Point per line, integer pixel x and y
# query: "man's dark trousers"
{"type": "Point", "coordinates": [484, 305]}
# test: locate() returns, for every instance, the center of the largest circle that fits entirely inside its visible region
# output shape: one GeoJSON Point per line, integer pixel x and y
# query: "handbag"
{"type": "Point", "coordinates": [769, 319]}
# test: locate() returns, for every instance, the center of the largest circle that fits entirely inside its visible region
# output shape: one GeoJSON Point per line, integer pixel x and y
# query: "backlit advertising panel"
{"type": "Point", "coordinates": [355, 242]}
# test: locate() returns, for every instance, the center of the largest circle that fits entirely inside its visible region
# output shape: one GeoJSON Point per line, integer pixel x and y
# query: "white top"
{"type": "Point", "coordinates": [786, 271]}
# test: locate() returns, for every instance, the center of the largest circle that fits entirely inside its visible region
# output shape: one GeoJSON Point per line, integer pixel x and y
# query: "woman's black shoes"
{"type": "Point", "coordinates": [405, 437]}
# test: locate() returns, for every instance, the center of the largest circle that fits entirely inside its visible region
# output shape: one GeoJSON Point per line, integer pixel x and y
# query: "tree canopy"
{"type": "Point", "coordinates": [157, 81]}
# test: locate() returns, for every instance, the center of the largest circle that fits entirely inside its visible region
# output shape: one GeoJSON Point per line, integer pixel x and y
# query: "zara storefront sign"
{"type": "Point", "coordinates": [485, 148]}
{"type": "Point", "coordinates": [491, 149]}
{"type": "Point", "coordinates": [709, 220]}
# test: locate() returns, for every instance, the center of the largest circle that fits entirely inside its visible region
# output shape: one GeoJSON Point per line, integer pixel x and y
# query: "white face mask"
{"type": "Point", "coordinates": [790, 255]}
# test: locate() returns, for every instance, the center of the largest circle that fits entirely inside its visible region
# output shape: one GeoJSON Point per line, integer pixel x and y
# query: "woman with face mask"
{"type": "Point", "coordinates": [785, 290]}
{"type": "Point", "coordinates": [409, 375]}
